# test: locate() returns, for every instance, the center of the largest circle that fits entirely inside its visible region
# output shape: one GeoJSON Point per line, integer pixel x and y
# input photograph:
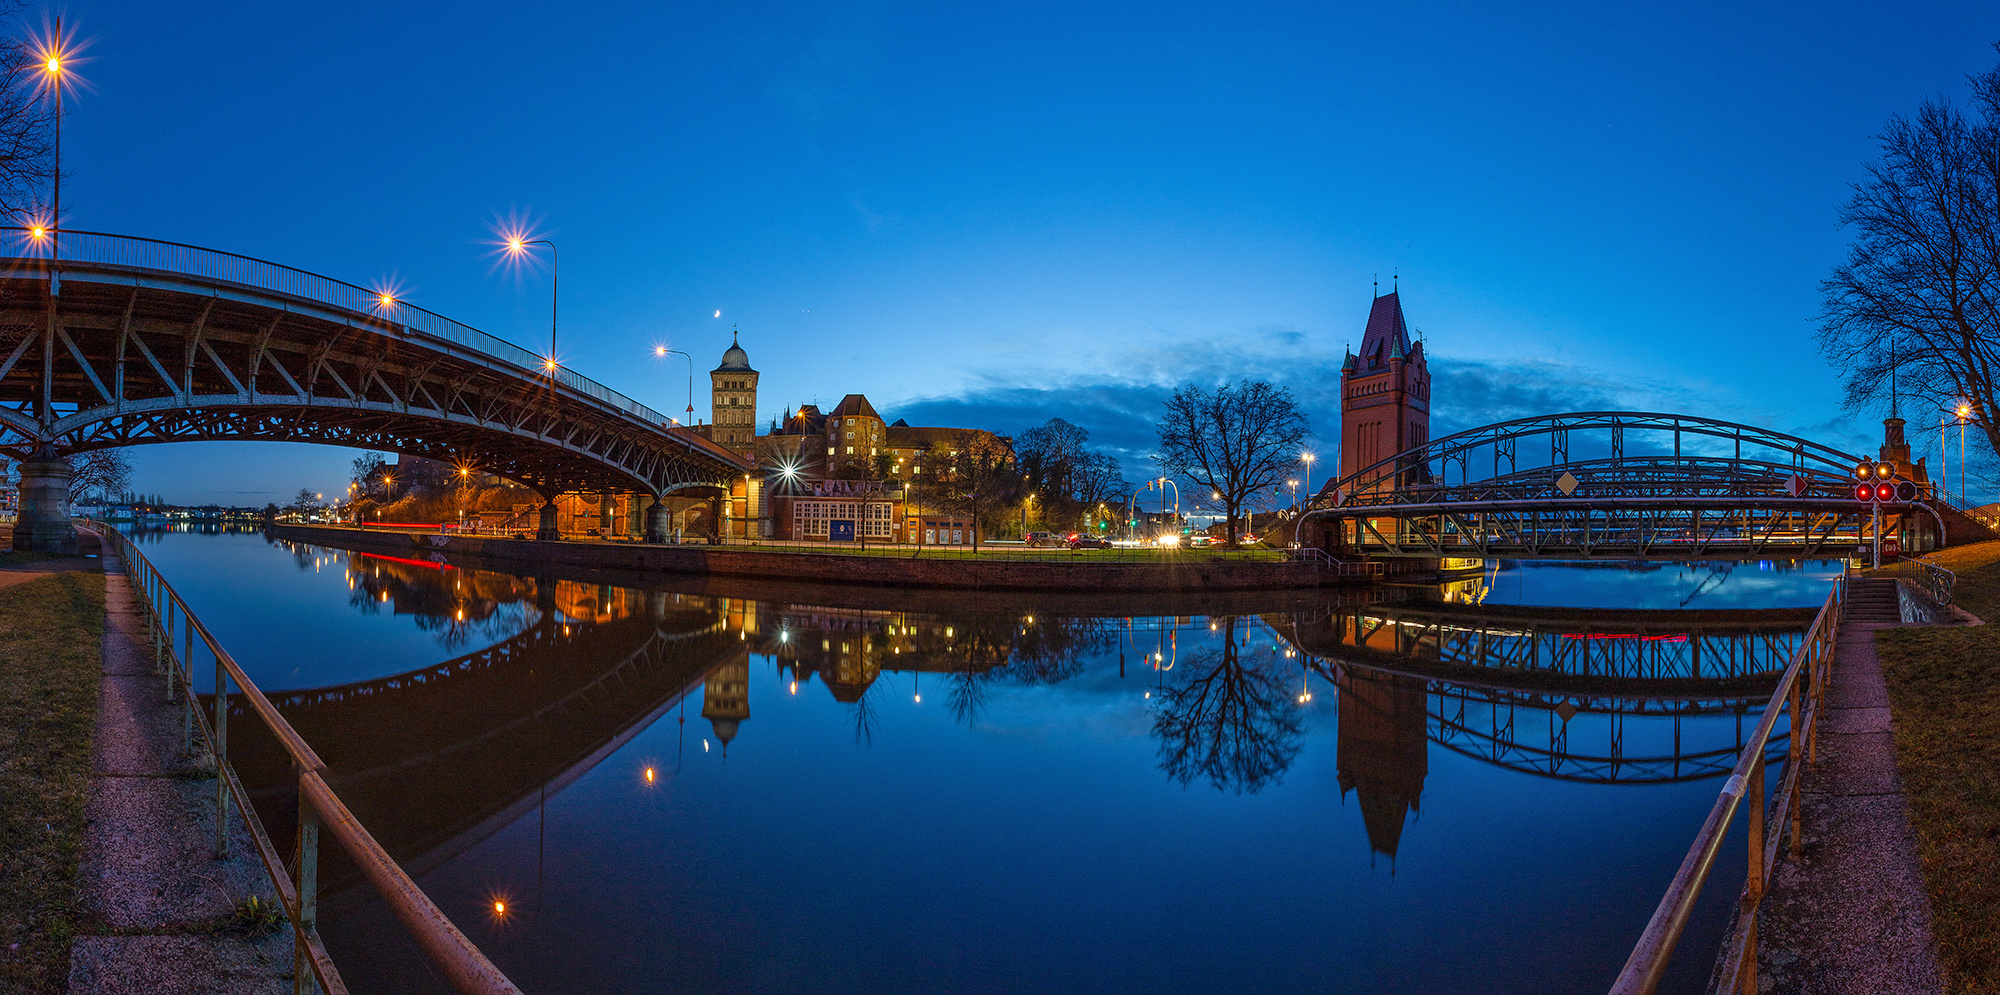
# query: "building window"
{"type": "Point", "coordinates": [850, 450]}
{"type": "Point", "coordinates": [810, 518]}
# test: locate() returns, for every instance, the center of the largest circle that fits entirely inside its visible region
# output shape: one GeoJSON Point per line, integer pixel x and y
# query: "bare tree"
{"type": "Point", "coordinates": [974, 475]}
{"type": "Point", "coordinates": [1919, 294]}
{"type": "Point", "coordinates": [105, 471]}
{"type": "Point", "coordinates": [368, 471]}
{"type": "Point", "coordinates": [1069, 478]}
{"type": "Point", "coordinates": [1235, 441]}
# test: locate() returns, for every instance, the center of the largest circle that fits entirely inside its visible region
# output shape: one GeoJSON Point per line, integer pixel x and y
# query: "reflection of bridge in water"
{"type": "Point", "coordinates": [583, 667]}
{"type": "Point", "coordinates": [1545, 691]}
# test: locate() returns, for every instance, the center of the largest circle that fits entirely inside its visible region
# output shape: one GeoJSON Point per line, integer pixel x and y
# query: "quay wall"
{"type": "Point", "coordinates": [997, 573]}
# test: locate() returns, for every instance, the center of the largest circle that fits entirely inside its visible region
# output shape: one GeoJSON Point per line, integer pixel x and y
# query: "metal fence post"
{"type": "Point", "coordinates": [1754, 889]}
{"type": "Point", "coordinates": [221, 760]}
{"type": "Point", "coordinates": [303, 982]}
{"type": "Point", "coordinates": [162, 640]}
{"type": "Point", "coordinates": [186, 669]}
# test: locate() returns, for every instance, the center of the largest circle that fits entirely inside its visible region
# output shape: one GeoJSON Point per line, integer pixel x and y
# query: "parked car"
{"type": "Point", "coordinates": [1081, 540]}
{"type": "Point", "coordinates": [1043, 539]}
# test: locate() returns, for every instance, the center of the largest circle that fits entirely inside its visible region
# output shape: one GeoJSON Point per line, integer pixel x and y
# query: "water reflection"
{"type": "Point", "coordinates": [569, 670]}
{"type": "Point", "coordinates": [802, 721]}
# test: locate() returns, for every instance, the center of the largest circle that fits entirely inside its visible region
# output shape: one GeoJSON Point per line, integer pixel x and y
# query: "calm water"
{"type": "Point", "coordinates": [820, 792]}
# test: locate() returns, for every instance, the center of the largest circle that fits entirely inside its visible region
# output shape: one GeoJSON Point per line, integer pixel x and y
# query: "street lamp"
{"type": "Point", "coordinates": [1964, 413]}
{"type": "Point", "coordinates": [1307, 459]}
{"type": "Point", "coordinates": [517, 248]}
{"type": "Point", "coordinates": [662, 352]}
{"type": "Point", "coordinates": [53, 54]}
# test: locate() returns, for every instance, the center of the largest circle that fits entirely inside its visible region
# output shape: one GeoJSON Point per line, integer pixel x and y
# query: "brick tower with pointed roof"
{"type": "Point", "coordinates": [1385, 391]}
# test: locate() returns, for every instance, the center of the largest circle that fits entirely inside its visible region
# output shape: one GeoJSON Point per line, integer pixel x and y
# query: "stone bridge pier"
{"type": "Point", "coordinates": [43, 525]}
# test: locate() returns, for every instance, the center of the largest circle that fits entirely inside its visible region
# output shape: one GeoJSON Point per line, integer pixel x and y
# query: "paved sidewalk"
{"type": "Point", "coordinates": [1851, 915]}
{"type": "Point", "coordinates": [153, 902]}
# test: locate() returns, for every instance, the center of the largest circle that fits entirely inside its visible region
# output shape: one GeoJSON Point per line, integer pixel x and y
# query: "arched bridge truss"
{"type": "Point", "coordinates": [131, 341]}
{"type": "Point", "coordinates": [1614, 485]}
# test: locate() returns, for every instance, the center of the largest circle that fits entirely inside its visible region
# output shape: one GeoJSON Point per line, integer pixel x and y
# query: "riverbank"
{"type": "Point", "coordinates": [155, 910]}
{"type": "Point", "coordinates": [1082, 571]}
{"type": "Point", "coordinates": [1944, 692]}
{"type": "Point", "coordinates": [51, 614]}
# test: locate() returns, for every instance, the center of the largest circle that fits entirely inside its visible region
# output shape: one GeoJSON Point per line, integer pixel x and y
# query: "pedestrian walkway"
{"type": "Point", "coordinates": [155, 907]}
{"type": "Point", "coordinates": [1850, 915]}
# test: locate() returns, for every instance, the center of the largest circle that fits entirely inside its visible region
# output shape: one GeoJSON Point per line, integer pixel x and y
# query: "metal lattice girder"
{"type": "Point", "coordinates": [1620, 662]}
{"type": "Point", "coordinates": [1533, 733]}
{"type": "Point", "coordinates": [1706, 488]}
{"type": "Point", "coordinates": [151, 342]}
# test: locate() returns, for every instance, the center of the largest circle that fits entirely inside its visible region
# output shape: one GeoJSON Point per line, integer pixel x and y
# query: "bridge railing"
{"type": "Point", "coordinates": [1798, 698]}
{"type": "Point", "coordinates": [81, 249]}
{"type": "Point", "coordinates": [169, 621]}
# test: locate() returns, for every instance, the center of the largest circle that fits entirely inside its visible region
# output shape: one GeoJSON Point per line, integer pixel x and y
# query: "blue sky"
{"type": "Point", "coordinates": [989, 215]}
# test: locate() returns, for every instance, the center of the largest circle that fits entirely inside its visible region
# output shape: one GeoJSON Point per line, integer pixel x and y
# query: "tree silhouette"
{"type": "Point", "coordinates": [1231, 723]}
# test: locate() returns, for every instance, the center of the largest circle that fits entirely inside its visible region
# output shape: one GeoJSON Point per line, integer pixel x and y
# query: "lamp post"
{"type": "Point", "coordinates": [52, 69]}
{"type": "Point", "coordinates": [1307, 459]}
{"type": "Point", "coordinates": [1964, 411]}
{"type": "Point", "coordinates": [518, 247]}
{"type": "Point", "coordinates": [663, 352]}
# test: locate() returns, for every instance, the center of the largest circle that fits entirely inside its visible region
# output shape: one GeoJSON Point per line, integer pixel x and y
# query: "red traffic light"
{"type": "Point", "coordinates": [1864, 492]}
{"type": "Point", "coordinates": [1885, 492]}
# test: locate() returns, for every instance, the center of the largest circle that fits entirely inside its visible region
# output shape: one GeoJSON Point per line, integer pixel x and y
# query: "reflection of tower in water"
{"type": "Point", "coordinates": [1382, 750]}
{"type": "Point", "coordinates": [725, 698]}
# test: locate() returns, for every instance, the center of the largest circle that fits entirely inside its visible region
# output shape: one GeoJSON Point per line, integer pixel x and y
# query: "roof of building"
{"type": "Point", "coordinates": [1388, 334]}
{"type": "Point", "coordinates": [734, 359]}
{"type": "Point", "coordinates": [919, 436]}
{"type": "Point", "coordinates": [854, 406]}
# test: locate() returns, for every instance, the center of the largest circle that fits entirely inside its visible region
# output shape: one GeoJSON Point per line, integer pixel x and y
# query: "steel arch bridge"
{"type": "Point", "coordinates": [127, 341]}
{"type": "Point", "coordinates": [1613, 485]}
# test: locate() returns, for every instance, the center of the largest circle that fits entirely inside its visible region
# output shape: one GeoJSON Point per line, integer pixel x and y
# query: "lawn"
{"type": "Point", "coordinates": [50, 631]}
{"type": "Point", "coordinates": [1944, 691]}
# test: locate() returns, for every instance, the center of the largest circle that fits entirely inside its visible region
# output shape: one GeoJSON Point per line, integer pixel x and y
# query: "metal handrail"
{"type": "Point", "coordinates": [168, 615]}
{"type": "Point", "coordinates": [1798, 695]}
{"type": "Point", "coordinates": [1936, 582]}
{"type": "Point", "coordinates": [81, 249]}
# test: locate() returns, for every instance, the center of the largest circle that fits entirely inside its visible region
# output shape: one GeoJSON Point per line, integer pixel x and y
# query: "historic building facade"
{"type": "Point", "coordinates": [1385, 392]}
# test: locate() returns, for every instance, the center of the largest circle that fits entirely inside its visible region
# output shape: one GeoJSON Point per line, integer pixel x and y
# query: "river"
{"type": "Point", "coordinates": [624, 784]}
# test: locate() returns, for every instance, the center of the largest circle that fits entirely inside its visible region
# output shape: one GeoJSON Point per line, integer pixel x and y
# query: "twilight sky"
{"type": "Point", "coordinates": [987, 215]}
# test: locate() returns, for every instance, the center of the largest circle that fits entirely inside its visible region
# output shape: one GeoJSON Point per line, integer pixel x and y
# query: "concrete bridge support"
{"type": "Point", "coordinates": [43, 525]}
{"type": "Point", "coordinates": [659, 521]}
{"type": "Point", "coordinates": [546, 526]}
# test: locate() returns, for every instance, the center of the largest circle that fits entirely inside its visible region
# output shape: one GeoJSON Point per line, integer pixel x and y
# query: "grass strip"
{"type": "Point", "coordinates": [50, 656]}
{"type": "Point", "coordinates": [1944, 693]}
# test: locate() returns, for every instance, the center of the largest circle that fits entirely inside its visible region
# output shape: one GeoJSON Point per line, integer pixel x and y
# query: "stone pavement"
{"type": "Point", "coordinates": [153, 902]}
{"type": "Point", "coordinates": [1851, 915]}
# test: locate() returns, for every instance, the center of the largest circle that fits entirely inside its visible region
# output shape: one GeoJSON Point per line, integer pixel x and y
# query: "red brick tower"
{"type": "Point", "coordinates": [1385, 392]}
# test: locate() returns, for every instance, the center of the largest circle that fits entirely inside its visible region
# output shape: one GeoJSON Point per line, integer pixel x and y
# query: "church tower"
{"type": "Point", "coordinates": [733, 401]}
{"type": "Point", "coordinates": [1385, 392]}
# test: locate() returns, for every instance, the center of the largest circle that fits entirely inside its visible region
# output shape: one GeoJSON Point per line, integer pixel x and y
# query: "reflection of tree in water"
{"type": "Point", "coordinates": [1231, 722]}
{"type": "Point", "coordinates": [1029, 652]}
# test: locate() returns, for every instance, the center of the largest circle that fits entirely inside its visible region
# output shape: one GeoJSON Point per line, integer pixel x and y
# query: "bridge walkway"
{"type": "Point", "coordinates": [154, 904]}
{"type": "Point", "coordinates": [1850, 914]}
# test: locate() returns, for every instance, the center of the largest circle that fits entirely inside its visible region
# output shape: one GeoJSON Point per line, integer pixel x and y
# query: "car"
{"type": "Point", "coordinates": [1043, 539]}
{"type": "Point", "coordinates": [1082, 540]}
